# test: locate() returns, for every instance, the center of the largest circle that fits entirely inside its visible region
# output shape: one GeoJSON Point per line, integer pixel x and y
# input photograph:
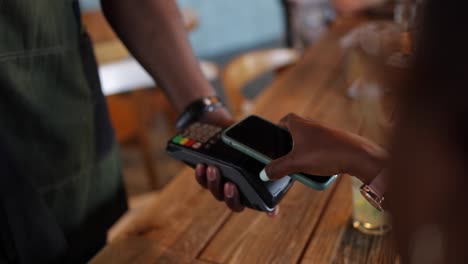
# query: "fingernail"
{"type": "Point", "coordinates": [275, 212]}
{"type": "Point", "coordinates": [264, 176]}
{"type": "Point", "coordinates": [199, 170]}
{"type": "Point", "coordinates": [229, 190]}
{"type": "Point", "coordinates": [210, 174]}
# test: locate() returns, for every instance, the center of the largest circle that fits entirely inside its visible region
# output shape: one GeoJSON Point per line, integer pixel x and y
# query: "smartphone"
{"type": "Point", "coordinates": [265, 141]}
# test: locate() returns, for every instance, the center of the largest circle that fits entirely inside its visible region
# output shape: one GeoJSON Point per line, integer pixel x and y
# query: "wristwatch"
{"type": "Point", "coordinates": [374, 192]}
{"type": "Point", "coordinates": [196, 109]}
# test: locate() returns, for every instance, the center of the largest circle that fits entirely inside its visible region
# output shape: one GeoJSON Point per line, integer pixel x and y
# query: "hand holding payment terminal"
{"type": "Point", "coordinates": [201, 143]}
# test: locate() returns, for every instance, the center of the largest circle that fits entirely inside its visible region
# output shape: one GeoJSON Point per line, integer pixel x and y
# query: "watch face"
{"type": "Point", "coordinates": [371, 197]}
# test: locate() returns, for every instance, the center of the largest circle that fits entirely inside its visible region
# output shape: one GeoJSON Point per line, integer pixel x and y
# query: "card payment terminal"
{"type": "Point", "coordinates": [201, 143]}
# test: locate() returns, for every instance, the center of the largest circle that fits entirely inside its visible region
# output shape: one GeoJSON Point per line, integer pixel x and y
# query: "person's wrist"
{"type": "Point", "coordinates": [220, 116]}
{"type": "Point", "coordinates": [198, 109]}
{"type": "Point", "coordinates": [368, 162]}
{"type": "Point", "coordinates": [198, 90]}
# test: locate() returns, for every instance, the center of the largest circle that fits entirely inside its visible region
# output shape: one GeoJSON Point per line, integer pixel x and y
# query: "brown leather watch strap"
{"type": "Point", "coordinates": [379, 183]}
{"type": "Point", "coordinates": [374, 192]}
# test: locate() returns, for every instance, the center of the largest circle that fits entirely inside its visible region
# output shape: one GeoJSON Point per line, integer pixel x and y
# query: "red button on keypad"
{"type": "Point", "coordinates": [190, 143]}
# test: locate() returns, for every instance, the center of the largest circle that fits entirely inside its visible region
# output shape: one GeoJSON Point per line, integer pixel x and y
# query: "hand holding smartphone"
{"type": "Point", "coordinates": [265, 141]}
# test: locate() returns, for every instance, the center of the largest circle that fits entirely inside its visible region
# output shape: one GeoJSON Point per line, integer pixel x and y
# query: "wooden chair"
{"type": "Point", "coordinates": [248, 67]}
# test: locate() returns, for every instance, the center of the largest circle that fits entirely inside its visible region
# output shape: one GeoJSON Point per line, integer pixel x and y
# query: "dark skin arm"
{"type": "Point", "coordinates": [322, 150]}
{"type": "Point", "coordinates": [154, 33]}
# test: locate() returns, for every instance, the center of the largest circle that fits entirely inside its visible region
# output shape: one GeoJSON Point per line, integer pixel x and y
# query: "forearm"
{"type": "Point", "coordinates": [154, 33]}
{"type": "Point", "coordinates": [366, 161]}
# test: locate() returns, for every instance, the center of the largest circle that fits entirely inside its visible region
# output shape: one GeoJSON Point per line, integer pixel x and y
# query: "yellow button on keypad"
{"type": "Point", "coordinates": [183, 141]}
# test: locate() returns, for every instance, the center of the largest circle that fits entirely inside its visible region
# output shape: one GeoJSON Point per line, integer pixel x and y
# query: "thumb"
{"type": "Point", "coordinates": [278, 168]}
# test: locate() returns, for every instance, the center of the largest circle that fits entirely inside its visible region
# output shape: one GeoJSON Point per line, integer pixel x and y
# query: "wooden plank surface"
{"type": "Point", "coordinates": [301, 85]}
{"type": "Point", "coordinates": [332, 226]}
{"type": "Point", "coordinates": [252, 237]}
{"type": "Point", "coordinates": [336, 241]}
{"type": "Point", "coordinates": [185, 217]}
{"type": "Point", "coordinates": [190, 226]}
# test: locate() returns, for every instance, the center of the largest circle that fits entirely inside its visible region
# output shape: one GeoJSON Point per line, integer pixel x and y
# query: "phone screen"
{"type": "Point", "coordinates": [265, 138]}
{"type": "Point", "coordinates": [262, 136]}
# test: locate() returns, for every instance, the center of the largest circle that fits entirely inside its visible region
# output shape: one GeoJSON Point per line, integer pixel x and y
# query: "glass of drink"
{"type": "Point", "coordinates": [367, 218]}
{"type": "Point", "coordinates": [380, 59]}
{"type": "Point", "coordinates": [376, 109]}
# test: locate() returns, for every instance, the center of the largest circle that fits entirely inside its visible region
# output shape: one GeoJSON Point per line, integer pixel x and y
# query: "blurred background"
{"type": "Point", "coordinates": [226, 27]}
{"type": "Point", "coordinates": [241, 45]}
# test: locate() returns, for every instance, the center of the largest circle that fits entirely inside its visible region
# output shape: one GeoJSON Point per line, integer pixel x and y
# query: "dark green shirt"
{"type": "Point", "coordinates": [55, 131]}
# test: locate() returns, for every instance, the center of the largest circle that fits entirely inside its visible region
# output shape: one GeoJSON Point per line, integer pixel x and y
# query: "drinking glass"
{"type": "Point", "coordinates": [377, 63]}
{"type": "Point", "coordinates": [367, 218]}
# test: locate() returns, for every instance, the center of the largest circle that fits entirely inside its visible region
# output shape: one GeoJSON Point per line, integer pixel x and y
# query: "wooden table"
{"type": "Point", "coordinates": [190, 226]}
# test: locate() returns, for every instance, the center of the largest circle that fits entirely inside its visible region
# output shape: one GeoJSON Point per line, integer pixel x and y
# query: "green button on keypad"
{"type": "Point", "coordinates": [177, 139]}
